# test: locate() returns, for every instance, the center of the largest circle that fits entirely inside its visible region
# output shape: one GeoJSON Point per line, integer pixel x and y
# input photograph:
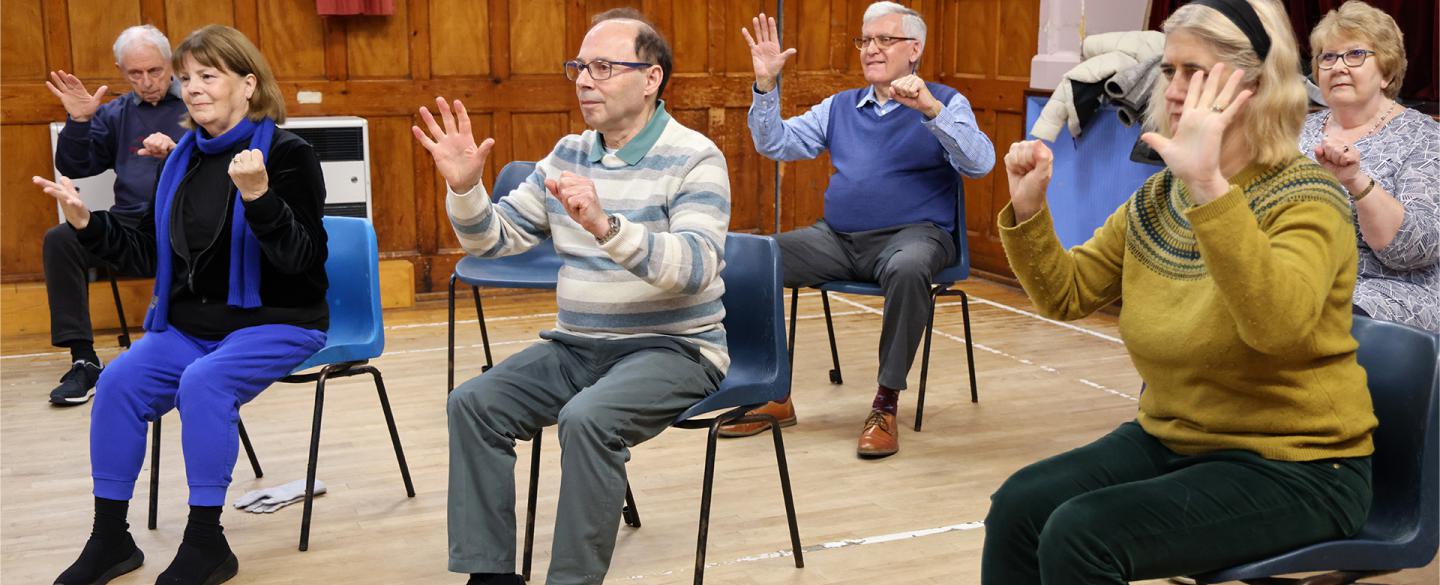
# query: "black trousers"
{"type": "Point", "coordinates": [67, 282]}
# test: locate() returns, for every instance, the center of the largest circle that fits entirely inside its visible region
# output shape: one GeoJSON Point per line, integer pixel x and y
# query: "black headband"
{"type": "Point", "coordinates": [1243, 15]}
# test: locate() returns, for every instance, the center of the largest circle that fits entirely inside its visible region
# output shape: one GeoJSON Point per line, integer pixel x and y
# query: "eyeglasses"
{"type": "Point", "coordinates": [1354, 58]}
{"type": "Point", "coordinates": [599, 69]}
{"type": "Point", "coordinates": [883, 41]}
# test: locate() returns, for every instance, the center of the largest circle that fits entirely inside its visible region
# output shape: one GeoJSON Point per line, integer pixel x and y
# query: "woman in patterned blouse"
{"type": "Point", "coordinates": [1386, 155]}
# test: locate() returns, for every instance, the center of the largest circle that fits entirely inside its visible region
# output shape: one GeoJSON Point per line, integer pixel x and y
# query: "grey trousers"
{"type": "Point", "coordinates": [607, 396]}
{"type": "Point", "coordinates": [902, 259]}
{"type": "Point", "coordinates": [67, 266]}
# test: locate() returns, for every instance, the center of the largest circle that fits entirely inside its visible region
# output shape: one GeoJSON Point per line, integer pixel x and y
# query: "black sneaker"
{"type": "Point", "coordinates": [77, 385]}
{"type": "Point", "coordinates": [103, 560]}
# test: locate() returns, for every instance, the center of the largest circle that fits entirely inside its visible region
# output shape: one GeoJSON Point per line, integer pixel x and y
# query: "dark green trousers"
{"type": "Point", "coordinates": [1126, 508]}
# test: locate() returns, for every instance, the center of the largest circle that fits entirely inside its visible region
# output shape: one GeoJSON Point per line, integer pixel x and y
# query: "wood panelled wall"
{"type": "Point", "coordinates": [502, 58]}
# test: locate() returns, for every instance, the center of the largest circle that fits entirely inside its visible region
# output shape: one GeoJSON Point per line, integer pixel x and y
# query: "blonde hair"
{"type": "Point", "coordinates": [228, 49]}
{"type": "Point", "coordinates": [1360, 21]}
{"type": "Point", "coordinates": [1273, 116]}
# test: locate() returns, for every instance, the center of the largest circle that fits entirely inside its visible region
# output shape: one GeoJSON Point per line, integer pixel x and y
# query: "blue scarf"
{"type": "Point", "coordinates": [244, 248]}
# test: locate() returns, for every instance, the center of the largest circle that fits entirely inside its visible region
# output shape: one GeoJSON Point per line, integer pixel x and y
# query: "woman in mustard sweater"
{"type": "Point", "coordinates": [1237, 265]}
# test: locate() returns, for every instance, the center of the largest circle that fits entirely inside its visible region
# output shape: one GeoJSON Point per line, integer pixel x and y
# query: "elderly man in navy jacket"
{"type": "Point", "coordinates": [898, 147]}
{"type": "Point", "coordinates": [131, 134]}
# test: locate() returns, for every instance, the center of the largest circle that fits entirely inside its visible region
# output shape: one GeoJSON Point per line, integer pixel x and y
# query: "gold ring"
{"type": "Point", "coordinates": [1217, 108]}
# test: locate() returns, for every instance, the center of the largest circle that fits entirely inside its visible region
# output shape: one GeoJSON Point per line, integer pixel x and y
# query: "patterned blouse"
{"type": "Point", "coordinates": [1400, 282]}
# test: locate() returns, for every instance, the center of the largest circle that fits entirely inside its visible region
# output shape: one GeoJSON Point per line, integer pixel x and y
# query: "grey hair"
{"type": "Point", "coordinates": [144, 33]}
{"type": "Point", "coordinates": [911, 22]}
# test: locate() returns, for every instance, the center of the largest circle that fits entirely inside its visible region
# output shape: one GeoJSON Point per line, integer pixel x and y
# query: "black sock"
{"type": "Point", "coordinates": [109, 552]}
{"type": "Point", "coordinates": [83, 350]}
{"type": "Point", "coordinates": [203, 551]}
{"type": "Point", "coordinates": [110, 517]}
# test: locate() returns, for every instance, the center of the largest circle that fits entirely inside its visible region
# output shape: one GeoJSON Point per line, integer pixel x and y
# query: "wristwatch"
{"type": "Point", "coordinates": [610, 235]}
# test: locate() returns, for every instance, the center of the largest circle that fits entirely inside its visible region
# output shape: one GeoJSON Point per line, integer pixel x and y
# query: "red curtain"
{"type": "Point", "coordinates": [1417, 20]}
{"type": "Point", "coordinates": [349, 7]}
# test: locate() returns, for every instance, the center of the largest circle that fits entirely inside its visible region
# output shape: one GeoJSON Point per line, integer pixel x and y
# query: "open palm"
{"type": "Point", "coordinates": [765, 53]}
{"type": "Point", "coordinates": [453, 147]}
{"type": "Point", "coordinates": [79, 103]}
{"type": "Point", "coordinates": [1193, 151]}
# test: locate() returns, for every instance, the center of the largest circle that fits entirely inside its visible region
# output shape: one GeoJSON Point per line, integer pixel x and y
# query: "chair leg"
{"type": "Point", "coordinates": [835, 377]}
{"type": "Point", "coordinates": [530, 504]}
{"type": "Point", "coordinates": [124, 338]}
{"type": "Point", "coordinates": [705, 492]}
{"type": "Point", "coordinates": [390, 423]}
{"type": "Point", "coordinates": [314, 456]}
{"type": "Point", "coordinates": [484, 333]}
{"type": "Point", "coordinates": [450, 346]}
{"type": "Point", "coordinates": [630, 512]}
{"type": "Point", "coordinates": [969, 345]}
{"type": "Point", "coordinates": [154, 472]}
{"type": "Point", "coordinates": [925, 359]}
{"type": "Point", "coordinates": [794, 308]}
{"type": "Point", "coordinates": [786, 492]}
{"type": "Point", "coordinates": [250, 450]}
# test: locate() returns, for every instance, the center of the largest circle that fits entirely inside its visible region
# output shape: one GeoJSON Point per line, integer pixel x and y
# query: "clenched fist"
{"type": "Point", "coordinates": [157, 145]}
{"type": "Point", "coordinates": [247, 170]}
{"type": "Point", "coordinates": [578, 195]}
{"type": "Point", "coordinates": [1028, 166]}
{"type": "Point", "coordinates": [912, 93]}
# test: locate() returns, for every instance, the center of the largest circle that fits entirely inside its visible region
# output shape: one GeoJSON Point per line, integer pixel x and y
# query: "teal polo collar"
{"type": "Point", "coordinates": [638, 146]}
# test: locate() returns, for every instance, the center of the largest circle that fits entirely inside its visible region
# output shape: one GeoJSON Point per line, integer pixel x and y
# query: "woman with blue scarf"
{"type": "Point", "coordinates": [238, 250]}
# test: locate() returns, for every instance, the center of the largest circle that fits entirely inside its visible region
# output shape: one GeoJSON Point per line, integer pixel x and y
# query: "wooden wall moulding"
{"type": "Point", "coordinates": [502, 58]}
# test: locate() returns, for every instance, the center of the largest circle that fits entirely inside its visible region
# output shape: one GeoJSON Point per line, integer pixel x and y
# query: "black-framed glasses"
{"type": "Point", "coordinates": [883, 41]}
{"type": "Point", "coordinates": [599, 69]}
{"type": "Point", "coordinates": [1352, 58]}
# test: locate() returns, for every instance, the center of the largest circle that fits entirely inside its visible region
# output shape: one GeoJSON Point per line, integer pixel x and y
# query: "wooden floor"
{"type": "Point", "coordinates": [913, 518]}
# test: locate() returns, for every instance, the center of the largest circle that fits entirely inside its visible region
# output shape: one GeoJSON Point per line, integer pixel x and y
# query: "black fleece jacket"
{"type": "Point", "coordinates": [286, 220]}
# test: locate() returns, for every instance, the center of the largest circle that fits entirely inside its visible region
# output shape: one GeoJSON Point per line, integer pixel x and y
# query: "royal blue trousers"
{"type": "Point", "coordinates": [207, 381]}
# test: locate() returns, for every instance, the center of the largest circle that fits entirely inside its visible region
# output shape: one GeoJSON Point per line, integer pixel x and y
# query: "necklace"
{"type": "Point", "coordinates": [1373, 129]}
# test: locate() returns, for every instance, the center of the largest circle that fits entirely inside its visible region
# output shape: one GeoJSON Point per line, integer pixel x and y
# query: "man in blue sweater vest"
{"type": "Point", "coordinates": [898, 147]}
{"type": "Point", "coordinates": [131, 134]}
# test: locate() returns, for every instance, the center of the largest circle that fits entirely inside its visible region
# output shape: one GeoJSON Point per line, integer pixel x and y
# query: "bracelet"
{"type": "Point", "coordinates": [1368, 189]}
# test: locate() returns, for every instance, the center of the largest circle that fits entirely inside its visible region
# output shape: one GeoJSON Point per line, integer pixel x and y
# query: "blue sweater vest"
{"type": "Point", "coordinates": [889, 170]}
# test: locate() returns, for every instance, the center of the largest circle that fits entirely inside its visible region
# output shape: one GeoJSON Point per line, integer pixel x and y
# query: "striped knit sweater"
{"type": "Point", "coordinates": [660, 275]}
{"type": "Point", "coordinates": [1237, 312]}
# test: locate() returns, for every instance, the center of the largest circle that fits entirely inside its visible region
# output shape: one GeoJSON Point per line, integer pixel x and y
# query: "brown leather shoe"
{"type": "Point", "coordinates": [782, 411]}
{"type": "Point", "coordinates": [881, 437]}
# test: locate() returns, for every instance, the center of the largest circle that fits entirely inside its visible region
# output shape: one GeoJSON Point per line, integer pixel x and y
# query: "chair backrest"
{"type": "Point", "coordinates": [1402, 364]}
{"type": "Point", "coordinates": [510, 177]}
{"type": "Point", "coordinates": [357, 329]}
{"type": "Point", "coordinates": [754, 326]}
{"type": "Point", "coordinates": [514, 173]}
{"type": "Point", "coordinates": [960, 269]}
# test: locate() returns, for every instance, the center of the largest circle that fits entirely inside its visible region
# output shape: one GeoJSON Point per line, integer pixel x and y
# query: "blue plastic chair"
{"type": "Point", "coordinates": [1403, 367]}
{"type": "Point", "coordinates": [535, 268]}
{"type": "Point", "coordinates": [759, 372]}
{"type": "Point", "coordinates": [356, 335]}
{"type": "Point", "coordinates": [941, 285]}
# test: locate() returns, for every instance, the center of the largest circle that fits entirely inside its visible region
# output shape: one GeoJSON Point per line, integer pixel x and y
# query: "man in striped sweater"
{"type": "Point", "coordinates": [638, 208]}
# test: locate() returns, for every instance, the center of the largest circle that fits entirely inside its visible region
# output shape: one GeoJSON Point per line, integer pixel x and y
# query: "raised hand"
{"type": "Point", "coordinates": [581, 202]}
{"type": "Point", "coordinates": [457, 157]}
{"type": "Point", "coordinates": [912, 93]}
{"type": "Point", "coordinates": [157, 145]}
{"type": "Point", "coordinates": [76, 213]}
{"type": "Point", "coordinates": [765, 53]}
{"type": "Point", "coordinates": [1193, 151]}
{"type": "Point", "coordinates": [247, 170]}
{"type": "Point", "coordinates": [1028, 166]}
{"type": "Point", "coordinates": [1340, 158]}
{"type": "Point", "coordinates": [79, 103]}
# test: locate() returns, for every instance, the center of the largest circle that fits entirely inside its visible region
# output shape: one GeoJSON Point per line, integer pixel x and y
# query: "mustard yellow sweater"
{"type": "Point", "coordinates": [1236, 314]}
